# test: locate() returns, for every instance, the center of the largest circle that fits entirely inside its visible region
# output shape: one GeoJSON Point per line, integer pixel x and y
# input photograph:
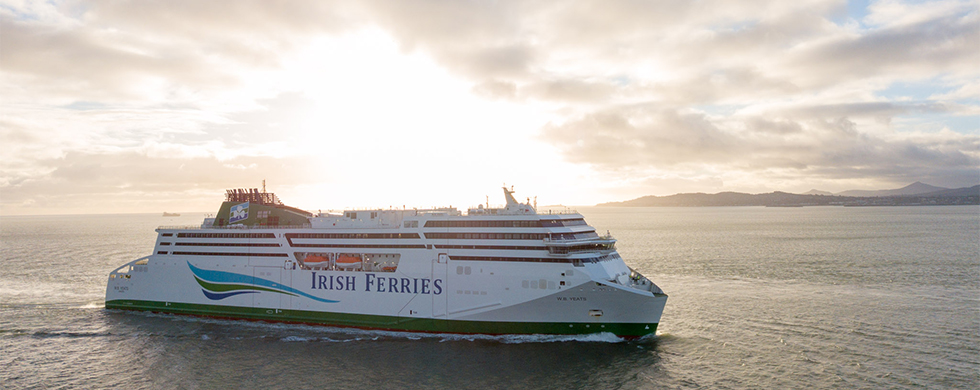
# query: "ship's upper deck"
{"type": "Point", "coordinates": [251, 208]}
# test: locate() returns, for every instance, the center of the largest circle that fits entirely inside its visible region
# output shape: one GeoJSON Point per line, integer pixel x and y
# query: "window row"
{"type": "Point", "coordinates": [573, 236]}
{"type": "Point", "coordinates": [530, 259]}
{"type": "Point", "coordinates": [578, 262]}
{"type": "Point", "coordinates": [501, 247]}
{"type": "Point", "coordinates": [487, 236]}
{"type": "Point", "coordinates": [231, 254]}
{"type": "Point", "coordinates": [273, 245]}
{"type": "Point", "coordinates": [563, 250]}
{"type": "Point", "coordinates": [562, 222]}
{"type": "Point", "coordinates": [226, 235]}
{"type": "Point", "coordinates": [351, 235]}
{"type": "Point", "coordinates": [457, 224]}
{"type": "Point", "coordinates": [395, 246]}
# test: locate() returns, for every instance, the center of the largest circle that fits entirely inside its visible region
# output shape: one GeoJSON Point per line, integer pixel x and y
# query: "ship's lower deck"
{"type": "Point", "coordinates": [380, 322]}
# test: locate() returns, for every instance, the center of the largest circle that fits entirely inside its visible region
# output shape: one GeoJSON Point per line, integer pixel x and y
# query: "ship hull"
{"type": "Point", "coordinates": [389, 323]}
{"type": "Point", "coordinates": [434, 301]}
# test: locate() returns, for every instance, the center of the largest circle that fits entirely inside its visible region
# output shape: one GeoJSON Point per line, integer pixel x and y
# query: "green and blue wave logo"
{"type": "Point", "coordinates": [218, 285]}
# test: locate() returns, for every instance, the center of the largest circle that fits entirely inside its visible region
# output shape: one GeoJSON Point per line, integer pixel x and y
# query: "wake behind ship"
{"type": "Point", "coordinates": [505, 270]}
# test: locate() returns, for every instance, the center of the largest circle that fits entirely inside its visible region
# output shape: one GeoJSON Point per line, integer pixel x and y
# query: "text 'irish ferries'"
{"type": "Point", "coordinates": [376, 283]}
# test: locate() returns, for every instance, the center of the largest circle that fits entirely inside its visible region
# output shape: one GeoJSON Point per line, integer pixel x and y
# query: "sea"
{"type": "Point", "coordinates": [798, 297]}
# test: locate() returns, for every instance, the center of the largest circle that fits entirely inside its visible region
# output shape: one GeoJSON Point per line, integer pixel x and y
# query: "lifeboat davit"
{"type": "Point", "coordinates": [349, 262]}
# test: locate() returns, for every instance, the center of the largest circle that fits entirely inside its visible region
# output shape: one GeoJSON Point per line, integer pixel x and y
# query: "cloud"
{"type": "Point", "coordinates": [152, 51]}
{"type": "Point", "coordinates": [705, 94]}
{"type": "Point", "coordinates": [771, 89]}
{"type": "Point", "coordinates": [79, 181]}
{"type": "Point", "coordinates": [642, 137]}
{"type": "Point", "coordinates": [74, 63]}
{"type": "Point", "coordinates": [941, 44]}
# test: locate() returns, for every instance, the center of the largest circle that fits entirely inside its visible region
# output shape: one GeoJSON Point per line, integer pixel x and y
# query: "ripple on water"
{"type": "Point", "coordinates": [759, 298]}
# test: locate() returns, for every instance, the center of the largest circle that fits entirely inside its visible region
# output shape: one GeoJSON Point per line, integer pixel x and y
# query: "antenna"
{"type": "Point", "coordinates": [263, 185]}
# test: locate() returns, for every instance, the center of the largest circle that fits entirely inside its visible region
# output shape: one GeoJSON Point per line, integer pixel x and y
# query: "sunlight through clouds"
{"type": "Point", "coordinates": [363, 103]}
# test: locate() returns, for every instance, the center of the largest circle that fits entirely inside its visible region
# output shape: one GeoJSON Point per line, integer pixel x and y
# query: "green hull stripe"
{"type": "Point", "coordinates": [384, 322]}
{"type": "Point", "coordinates": [215, 287]}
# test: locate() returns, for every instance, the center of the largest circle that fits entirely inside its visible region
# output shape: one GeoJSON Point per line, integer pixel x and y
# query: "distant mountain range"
{"type": "Point", "coordinates": [916, 188]}
{"type": "Point", "coordinates": [915, 194]}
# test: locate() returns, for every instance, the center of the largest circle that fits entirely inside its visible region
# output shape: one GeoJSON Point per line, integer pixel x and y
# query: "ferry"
{"type": "Point", "coordinates": [500, 270]}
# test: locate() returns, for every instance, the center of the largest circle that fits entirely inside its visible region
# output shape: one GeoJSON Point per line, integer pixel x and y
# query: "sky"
{"type": "Point", "coordinates": [151, 106]}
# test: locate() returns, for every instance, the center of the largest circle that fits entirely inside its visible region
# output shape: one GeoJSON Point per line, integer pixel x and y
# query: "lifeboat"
{"type": "Point", "coordinates": [316, 261]}
{"type": "Point", "coordinates": [346, 261]}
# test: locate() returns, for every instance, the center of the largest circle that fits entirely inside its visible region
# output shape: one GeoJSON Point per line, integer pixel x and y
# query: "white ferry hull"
{"type": "Point", "coordinates": [427, 302]}
{"type": "Point", "coordinates": [494, 271]}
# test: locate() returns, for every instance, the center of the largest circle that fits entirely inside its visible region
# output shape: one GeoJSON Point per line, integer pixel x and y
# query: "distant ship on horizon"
{"type": "Point", "coordinates": [166, 214]}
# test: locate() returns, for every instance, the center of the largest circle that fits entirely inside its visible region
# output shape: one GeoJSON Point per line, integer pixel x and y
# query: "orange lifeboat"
{"type": "Point", "coordinates": [314, 259]}
{"type": "Point", "coordinates": [346, 261]}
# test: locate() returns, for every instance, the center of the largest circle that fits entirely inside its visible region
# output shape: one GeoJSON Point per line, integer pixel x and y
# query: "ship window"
{"type": "Point", "coordinates": [162, 252]}
{"type": "Point", "coordinates": [167, 234]}
{"type": "Point", "coordinates": [374, 214]}
{"type": "Point", "coordinates": [164, 243]}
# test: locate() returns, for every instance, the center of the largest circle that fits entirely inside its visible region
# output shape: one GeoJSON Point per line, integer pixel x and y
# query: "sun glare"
{"type": "Point", "coordinates": [383, 119]}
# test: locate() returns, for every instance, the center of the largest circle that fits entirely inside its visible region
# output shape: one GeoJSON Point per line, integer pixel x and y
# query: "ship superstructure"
{"type": "Point", "coordinates": [505, 270]}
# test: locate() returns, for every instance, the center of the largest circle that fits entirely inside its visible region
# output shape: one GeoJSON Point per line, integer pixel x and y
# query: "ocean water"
{"type": "Point", "coordinates": [816, 297]}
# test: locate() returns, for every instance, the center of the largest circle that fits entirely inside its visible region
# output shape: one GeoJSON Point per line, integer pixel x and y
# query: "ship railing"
{"type": "Point", "coordinates": [557, 211]}
{"type": "Point", "coordinates": [575, 241]}
{"type": "Point", "coordinates": [500, 210]}
{"type": "Point", "coordinates": [124, 271]}
{"type": "Point", "coordinates": [233, 227]}
{"type": "Point", "coordinates": [640, 282]}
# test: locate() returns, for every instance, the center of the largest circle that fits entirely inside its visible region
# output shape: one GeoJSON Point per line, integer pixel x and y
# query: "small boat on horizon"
{"type": "Point", "coordinates": [166, 214]}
